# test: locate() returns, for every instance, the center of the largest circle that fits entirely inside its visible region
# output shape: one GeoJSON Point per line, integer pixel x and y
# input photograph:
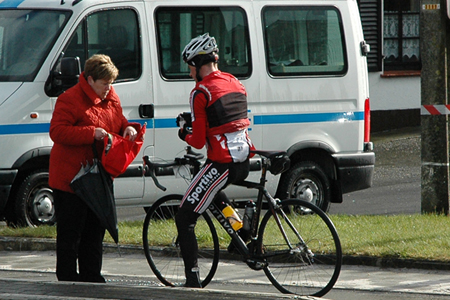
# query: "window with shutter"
{"type": "Point", "coordinates": [371, 16]}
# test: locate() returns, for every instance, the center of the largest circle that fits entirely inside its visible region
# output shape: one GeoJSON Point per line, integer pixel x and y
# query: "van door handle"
{"type": "Point", "coordinates": [146, 111]}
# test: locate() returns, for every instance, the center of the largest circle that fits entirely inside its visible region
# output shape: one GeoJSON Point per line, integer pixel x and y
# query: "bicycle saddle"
{"type": "Point", "coordinates": [268, 154]}
{"type": "Point", "coordinates": [278, 160]}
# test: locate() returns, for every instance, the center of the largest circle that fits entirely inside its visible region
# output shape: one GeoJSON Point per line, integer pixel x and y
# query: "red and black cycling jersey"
{"type": "Point", "coordinates": [219, 118]}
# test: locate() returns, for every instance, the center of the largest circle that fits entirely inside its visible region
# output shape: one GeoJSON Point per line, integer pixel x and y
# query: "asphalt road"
{"type": "Point", "coordinates": [397, 183]}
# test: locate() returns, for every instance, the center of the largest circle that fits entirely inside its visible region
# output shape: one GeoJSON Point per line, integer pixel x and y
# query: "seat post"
{"type": "Point", "coordinates": [262, 180]}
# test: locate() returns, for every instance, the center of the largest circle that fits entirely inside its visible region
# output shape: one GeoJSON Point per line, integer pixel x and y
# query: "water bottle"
{"type": "Point", "coordinates": [232, 217]}
{"type": "Point", "coordinates": [248, 215]}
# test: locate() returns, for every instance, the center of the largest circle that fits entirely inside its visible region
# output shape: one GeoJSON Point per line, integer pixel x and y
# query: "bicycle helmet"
{"type": "Point", "coordinates": [200, 50]}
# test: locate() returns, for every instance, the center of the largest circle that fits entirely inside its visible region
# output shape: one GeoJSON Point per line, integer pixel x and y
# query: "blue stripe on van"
{"type": "Point", "coordinates": [24, 128]}
{"type": "Point", "coordinates": [157, 123]}
{"type": "Point", "coordinates": [308, 118]}
{"type": "Point", "coordinates": [171, 123]}
{"type": "Point", "coordinates": [10, 3]}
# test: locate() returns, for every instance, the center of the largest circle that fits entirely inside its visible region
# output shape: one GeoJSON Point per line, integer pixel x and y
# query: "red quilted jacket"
{"type": "Point", "coordinates": [77, 113]}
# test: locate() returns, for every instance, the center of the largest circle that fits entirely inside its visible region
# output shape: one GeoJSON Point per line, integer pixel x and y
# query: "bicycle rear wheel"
{"type": "Point", "coordinates": [310, 264]}
{"type": "Point", "coordinates": [160, 237]}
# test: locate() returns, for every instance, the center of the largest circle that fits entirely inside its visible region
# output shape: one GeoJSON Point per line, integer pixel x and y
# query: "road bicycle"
{"type": "Point", "coordinates": [292, 241]}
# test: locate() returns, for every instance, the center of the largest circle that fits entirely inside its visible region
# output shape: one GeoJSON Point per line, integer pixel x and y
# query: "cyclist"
{"type": "Point", "coordinates": [219, 121]}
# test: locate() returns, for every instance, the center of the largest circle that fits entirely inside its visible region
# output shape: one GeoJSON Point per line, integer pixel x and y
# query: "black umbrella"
{"type": "Point", "coordinates": [95, 186]}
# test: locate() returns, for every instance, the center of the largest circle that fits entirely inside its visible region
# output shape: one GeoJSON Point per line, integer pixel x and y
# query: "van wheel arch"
{"type": "Point", "coordinates": [310, 177]}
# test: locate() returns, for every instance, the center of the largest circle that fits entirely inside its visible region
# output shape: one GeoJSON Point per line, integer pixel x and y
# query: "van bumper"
{"type": "Point", "coordinates": [355, 171]}
{"type": "Point", "coordinates": [6, 180]}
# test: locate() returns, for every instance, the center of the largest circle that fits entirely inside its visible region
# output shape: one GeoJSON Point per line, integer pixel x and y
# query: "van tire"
{"type": "Point", "coordinates": [34, 203]}
{"type": "Point", "coordinates": [306, 180]}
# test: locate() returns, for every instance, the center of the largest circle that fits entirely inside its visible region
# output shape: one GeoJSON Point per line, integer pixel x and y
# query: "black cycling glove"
{"type": "Point", "coordinates": [182, 133]}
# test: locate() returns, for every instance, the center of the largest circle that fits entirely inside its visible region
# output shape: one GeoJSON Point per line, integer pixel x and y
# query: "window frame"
{"type": "Point", "coordinates": [399, 64]}
{"type": "Point", "coordinates": [171, 9]}
{"type": "Point", "coordinates": [306, 73]}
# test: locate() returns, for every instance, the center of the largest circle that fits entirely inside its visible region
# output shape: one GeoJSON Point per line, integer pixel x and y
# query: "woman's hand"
{"type": "Point", "coordinates": [130, 132]}
{"type": "Point", "coordinates": [100, 134]}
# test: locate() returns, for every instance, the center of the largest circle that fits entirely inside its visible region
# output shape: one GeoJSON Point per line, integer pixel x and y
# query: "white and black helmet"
{"type": "Point", "coordinates": [204, 46]}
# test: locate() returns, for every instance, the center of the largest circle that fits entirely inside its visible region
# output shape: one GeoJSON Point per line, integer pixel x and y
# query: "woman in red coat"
{"type": "Point", "coordinates": [83, 114]}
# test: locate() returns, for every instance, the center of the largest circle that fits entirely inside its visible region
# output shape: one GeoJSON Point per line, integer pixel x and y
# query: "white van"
{"type": "Point", "coordinates": [302, 61]}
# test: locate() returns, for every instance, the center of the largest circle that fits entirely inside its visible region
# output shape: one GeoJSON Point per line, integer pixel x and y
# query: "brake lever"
{"type": "Point", "coordinates": [151, 172]}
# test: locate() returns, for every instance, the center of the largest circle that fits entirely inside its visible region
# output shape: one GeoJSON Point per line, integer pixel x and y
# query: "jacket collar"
{"type": "Point", "coordinates": [87, 89]}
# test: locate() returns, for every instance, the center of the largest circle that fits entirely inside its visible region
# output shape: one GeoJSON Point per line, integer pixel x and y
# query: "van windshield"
{"type": "Point", "coordinates": [26, 37]}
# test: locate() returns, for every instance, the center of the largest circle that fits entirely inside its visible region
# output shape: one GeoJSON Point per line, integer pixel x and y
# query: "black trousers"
{"type": "Point", "coordinates": [79, 239]}
{"type": "Point", "coordinates": [186, 217]}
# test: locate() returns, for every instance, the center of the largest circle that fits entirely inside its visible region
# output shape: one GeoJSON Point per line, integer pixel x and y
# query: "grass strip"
{"type": "Point", "coordinates": [396, 236]}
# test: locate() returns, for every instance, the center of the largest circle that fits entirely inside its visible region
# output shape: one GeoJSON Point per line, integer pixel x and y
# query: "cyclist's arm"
{"type": "Point", "coordinates": [199, 121]}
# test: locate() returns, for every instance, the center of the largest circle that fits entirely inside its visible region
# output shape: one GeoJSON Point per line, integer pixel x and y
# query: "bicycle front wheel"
{"type": "Point", "coordinates": [160, 237]}
{"type": "Point", "coordinates": [307, 259]}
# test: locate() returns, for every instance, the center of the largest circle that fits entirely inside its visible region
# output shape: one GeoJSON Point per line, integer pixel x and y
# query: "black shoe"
{"type": "Point", "coordinates": [193, 279]}
{"type": "Point", "coordinates": [195, 285]}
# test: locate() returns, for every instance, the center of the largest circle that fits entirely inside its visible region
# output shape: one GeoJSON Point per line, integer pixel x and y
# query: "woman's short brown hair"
{"type": "Point", "coordinates": [100, 66]}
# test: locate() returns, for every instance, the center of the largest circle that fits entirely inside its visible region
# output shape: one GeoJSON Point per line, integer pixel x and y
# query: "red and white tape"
{"type": "Point", "coordinates": [438, 109]}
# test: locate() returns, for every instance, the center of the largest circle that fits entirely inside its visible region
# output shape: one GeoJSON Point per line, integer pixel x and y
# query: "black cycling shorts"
{"type": "Point", "coordinates": [211, 179]}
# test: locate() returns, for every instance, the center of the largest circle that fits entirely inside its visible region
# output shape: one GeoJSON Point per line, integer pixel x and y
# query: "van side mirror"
{"type": "Point", "coordinates": [70, 68]}
{"type": "Point", "coordinates": [63, 76]}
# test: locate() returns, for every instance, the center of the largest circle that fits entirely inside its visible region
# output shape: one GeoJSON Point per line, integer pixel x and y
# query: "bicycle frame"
{"type": "Point", "coordinates": [254, 248]}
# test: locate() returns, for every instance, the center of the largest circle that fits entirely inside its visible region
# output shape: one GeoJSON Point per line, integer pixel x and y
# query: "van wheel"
{"type": "Point", "coordinates": [34, 203]}
{"type": "Point", "coordinates": [306, 181]}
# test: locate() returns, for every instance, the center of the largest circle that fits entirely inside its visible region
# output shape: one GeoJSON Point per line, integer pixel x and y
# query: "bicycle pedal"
{"type": "Point", "coordinates": [256, 265]}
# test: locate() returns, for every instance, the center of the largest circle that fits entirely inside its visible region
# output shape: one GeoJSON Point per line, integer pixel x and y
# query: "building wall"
{"type": "Point", "coordinates": [394, 100]}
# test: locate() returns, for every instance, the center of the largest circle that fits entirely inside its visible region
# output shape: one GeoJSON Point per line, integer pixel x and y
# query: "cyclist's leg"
{"type": "Point", "coordinates": [200, 193]}
{"type": "Point", "coordinates": [186, 220]}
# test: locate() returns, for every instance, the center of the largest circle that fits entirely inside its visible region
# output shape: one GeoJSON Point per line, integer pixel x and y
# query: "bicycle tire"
{"type": "Point", "coordinates": [162, 250]}
{"type": "Point", "coordinates": [299, 271]}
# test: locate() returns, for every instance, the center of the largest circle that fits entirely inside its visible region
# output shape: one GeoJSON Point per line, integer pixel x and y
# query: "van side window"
{"type": "Point", "coordinates": [111, 32]}
{"type": "Point", "coordinates": [177, 26]}
{"type": "Point", "coordinates": [302, 40]}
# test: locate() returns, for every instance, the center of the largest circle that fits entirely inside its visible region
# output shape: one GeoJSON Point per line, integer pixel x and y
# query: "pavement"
{"type": "Point", "coordinates": [27, 271]}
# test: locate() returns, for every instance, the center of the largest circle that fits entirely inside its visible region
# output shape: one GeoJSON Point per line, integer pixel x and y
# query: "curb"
{"type": "Point", "coordinates": [396, 263]}
{"type": "Point", "coordinates": [45, 244]}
